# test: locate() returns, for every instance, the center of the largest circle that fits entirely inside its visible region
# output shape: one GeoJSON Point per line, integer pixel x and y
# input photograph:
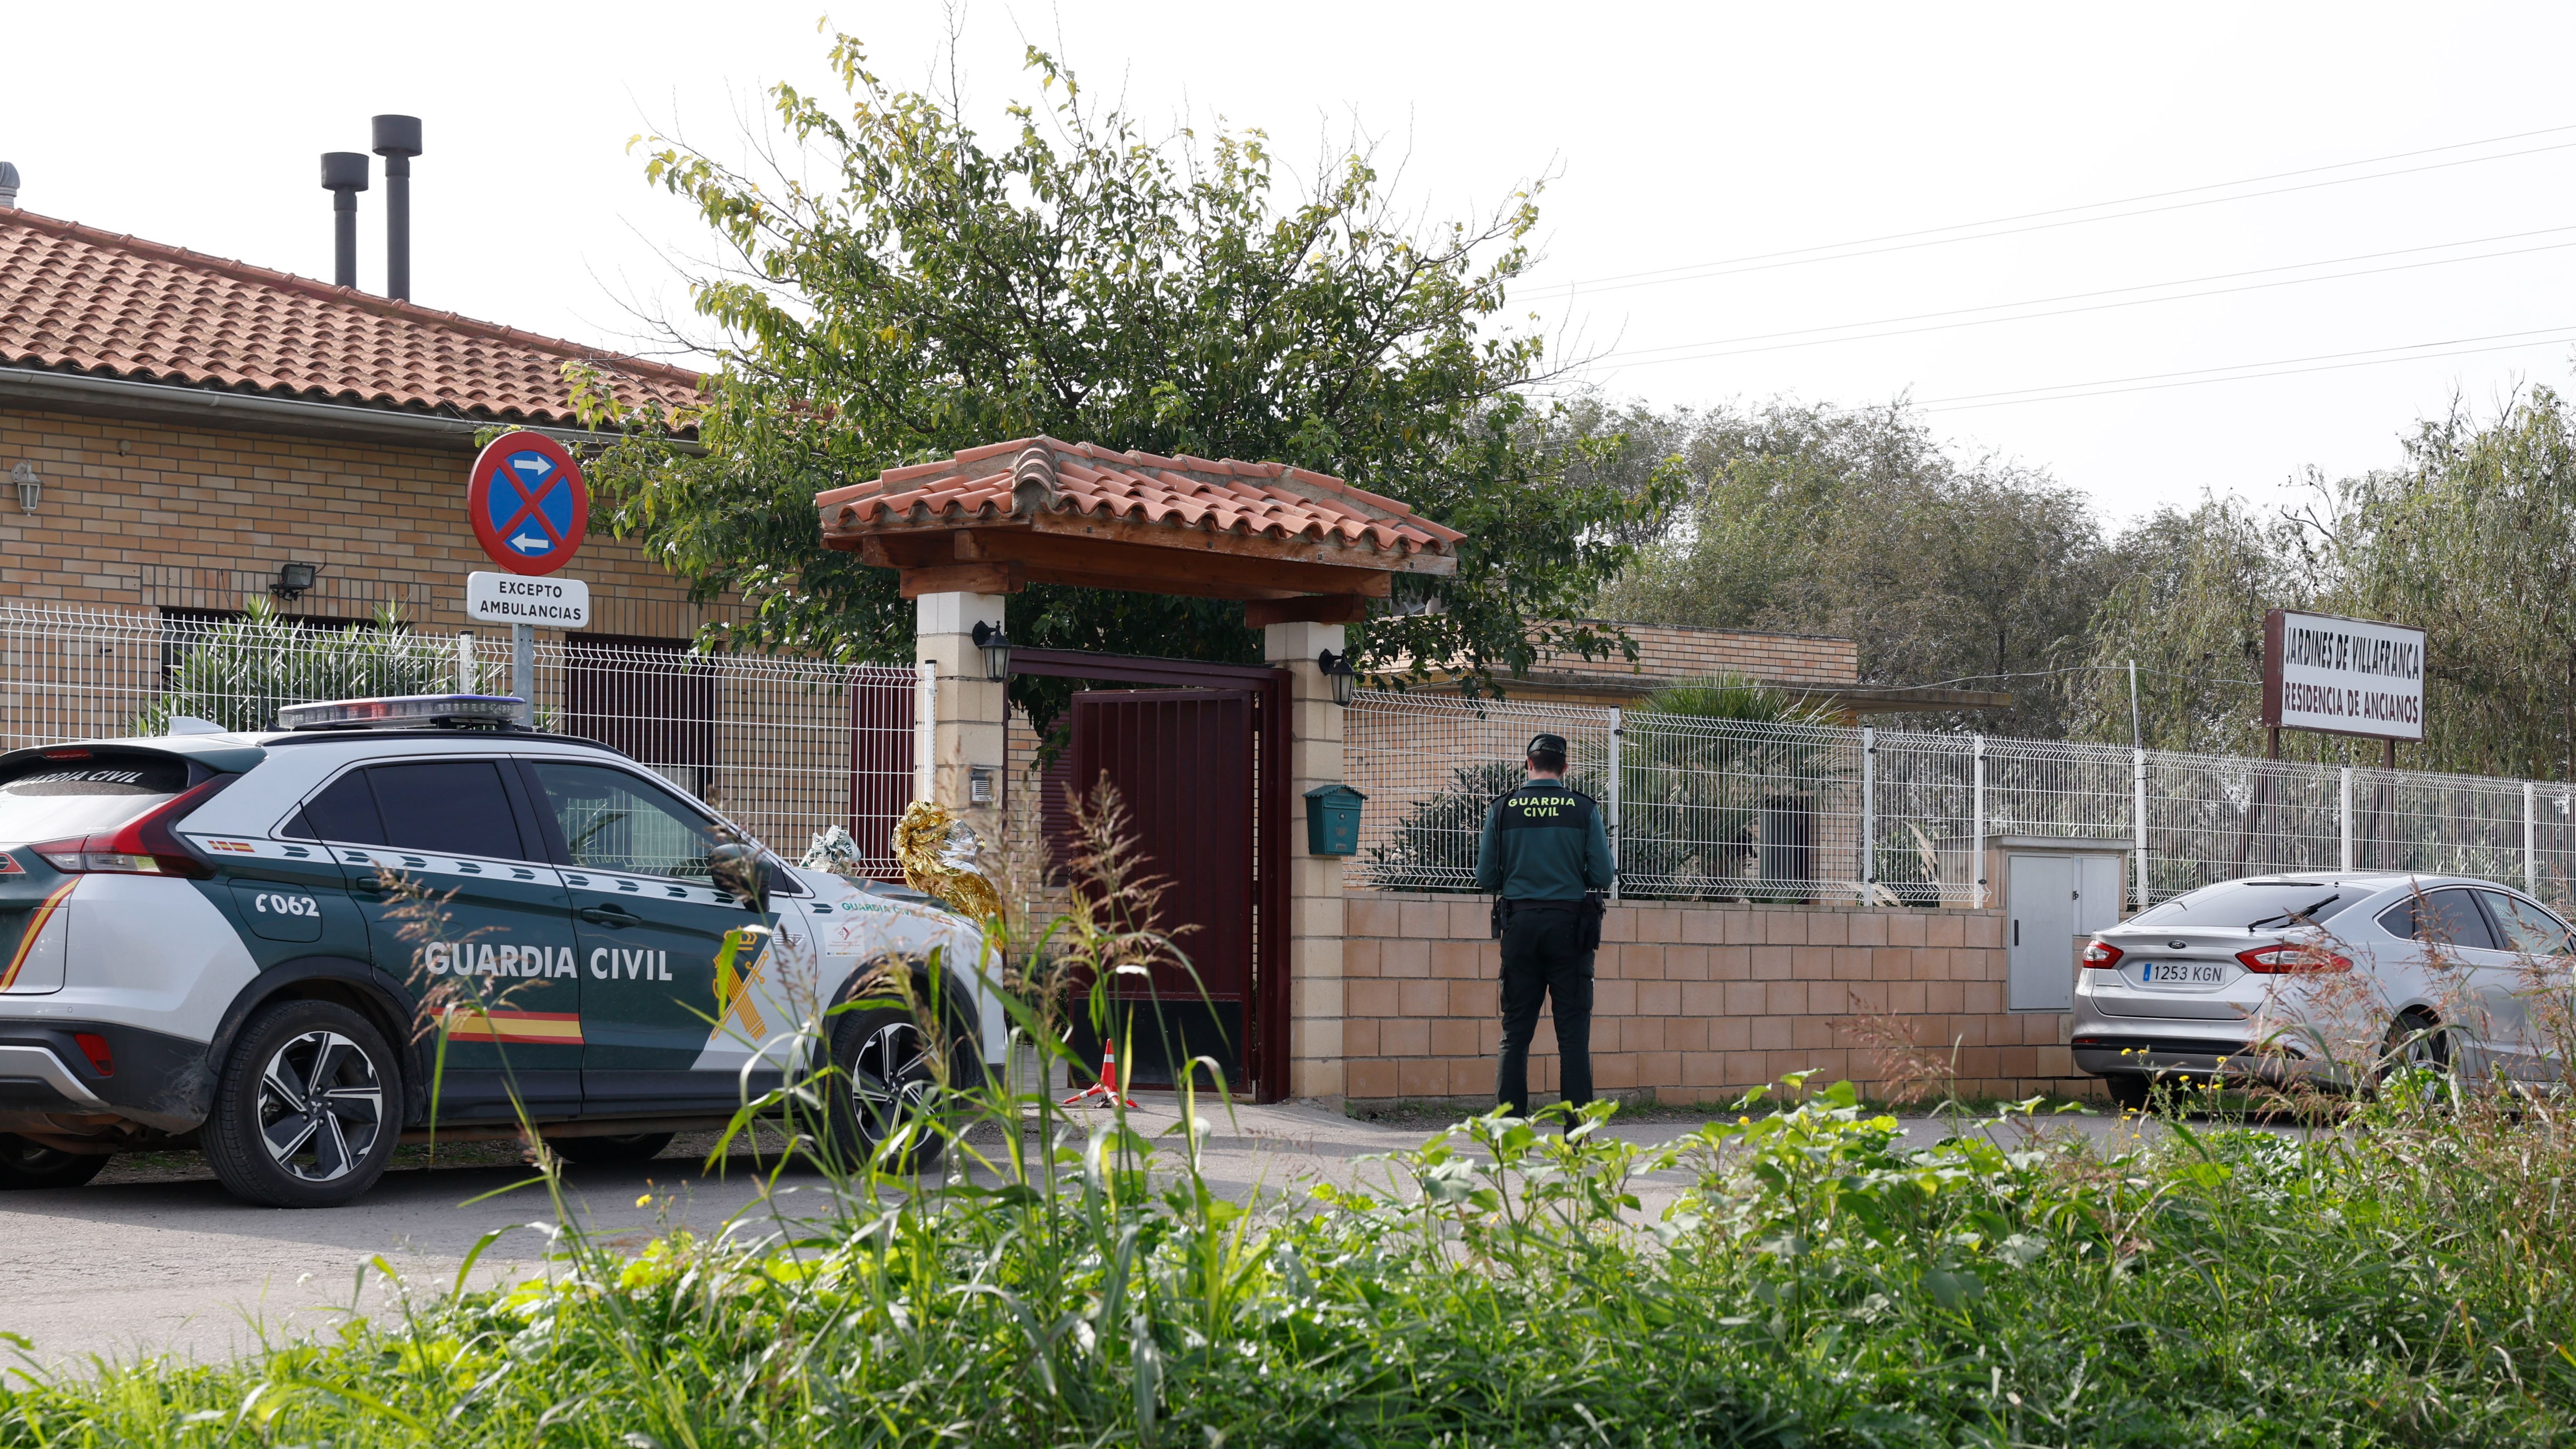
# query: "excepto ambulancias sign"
{"type": "Point", "coordinates": [2343, 676]}
{"type": "Point", "coordinates": [517, 599]}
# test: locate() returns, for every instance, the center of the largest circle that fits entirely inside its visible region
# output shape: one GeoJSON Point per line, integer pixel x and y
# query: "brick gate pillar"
{"type": "Point", "coordinates": [1314, 881]}
{"type": "Point", "coordinates": [969, 711]}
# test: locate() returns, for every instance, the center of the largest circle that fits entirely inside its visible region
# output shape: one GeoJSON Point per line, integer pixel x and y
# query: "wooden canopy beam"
{"type": "Point", "coordinates": [935, 562]}
{"type": "Point", "coordinates": [1307, 609]}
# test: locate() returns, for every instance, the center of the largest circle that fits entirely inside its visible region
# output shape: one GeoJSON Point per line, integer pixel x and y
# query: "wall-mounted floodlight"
{"type": "Point", "coordinates": [997, 651]}
{"type": "Point", "coordinates": [1337, 668]}
{"type": "Point", "coordinates": [292, 580]}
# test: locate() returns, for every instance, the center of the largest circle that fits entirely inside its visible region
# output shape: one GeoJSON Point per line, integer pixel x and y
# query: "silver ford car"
{"type": "Point", "coordinates": [2327, 976]}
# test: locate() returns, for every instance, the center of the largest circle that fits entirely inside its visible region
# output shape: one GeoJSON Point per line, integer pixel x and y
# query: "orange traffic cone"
{"type": "Point", "coordinates": [1106, 1090]}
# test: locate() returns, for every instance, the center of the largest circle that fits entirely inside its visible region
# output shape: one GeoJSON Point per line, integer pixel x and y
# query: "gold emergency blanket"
{"type": "Point", "coordinates": [943, 856]}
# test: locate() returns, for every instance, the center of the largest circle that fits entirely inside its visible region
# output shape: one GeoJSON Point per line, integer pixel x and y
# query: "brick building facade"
{"type": "Point", "coordinates": [191, 423]}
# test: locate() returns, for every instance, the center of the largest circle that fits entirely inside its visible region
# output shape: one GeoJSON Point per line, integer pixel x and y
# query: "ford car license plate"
{"type": "Point", "coordinates": [2180, 973]}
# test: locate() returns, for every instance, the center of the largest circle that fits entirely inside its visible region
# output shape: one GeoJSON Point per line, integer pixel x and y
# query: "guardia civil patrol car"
{"type": "Point", "coordinates": [266, 945]}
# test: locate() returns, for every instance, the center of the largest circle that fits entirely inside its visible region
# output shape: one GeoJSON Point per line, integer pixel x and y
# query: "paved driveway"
{"type": "Point", "coordinates": [156, 1258]}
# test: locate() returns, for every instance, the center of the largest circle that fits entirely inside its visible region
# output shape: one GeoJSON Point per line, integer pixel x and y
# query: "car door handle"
{"type": "Point", "coordinates": [612, 916]}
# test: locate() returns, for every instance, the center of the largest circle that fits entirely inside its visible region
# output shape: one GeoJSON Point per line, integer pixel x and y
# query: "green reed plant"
{"type": "Point", "coordinates": [1804, 1272]}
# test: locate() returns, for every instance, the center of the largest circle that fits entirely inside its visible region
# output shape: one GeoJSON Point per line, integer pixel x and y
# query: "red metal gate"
{"type": "Point", "coordinates": [1181, 759]}
{"type": "Point", "coordinates": [1203, 771]}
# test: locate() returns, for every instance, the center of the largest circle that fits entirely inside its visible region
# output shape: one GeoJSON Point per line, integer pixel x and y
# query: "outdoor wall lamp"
{"type": "Point", "coordinates": [1337, 668]}
{"type": "Point", "coordinates": [997, 651]}
{"type": "Point", "coordinates": [30, 487]}
{"type": "Point", "coordinates": [292, 580]}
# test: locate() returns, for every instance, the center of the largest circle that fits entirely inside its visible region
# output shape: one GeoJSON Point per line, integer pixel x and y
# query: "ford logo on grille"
{"type": "Point", "coordinates": [2177, 945]}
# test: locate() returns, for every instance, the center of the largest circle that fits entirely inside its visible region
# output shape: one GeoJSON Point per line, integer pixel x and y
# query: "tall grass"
{"type": "Point", "coordinates": [1816, 1279]}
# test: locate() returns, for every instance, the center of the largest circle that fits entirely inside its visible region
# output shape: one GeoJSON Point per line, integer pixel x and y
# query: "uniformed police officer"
{"type": "Point", "coordinates": [1544, 855]}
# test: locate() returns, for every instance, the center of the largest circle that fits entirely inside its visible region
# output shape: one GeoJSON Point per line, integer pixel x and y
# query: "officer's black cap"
{"type": "Point", "coordinates": [1546, 745]}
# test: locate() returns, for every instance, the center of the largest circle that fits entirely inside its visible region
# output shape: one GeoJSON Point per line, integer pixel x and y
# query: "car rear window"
{"type": "Point", "coordinates": [2243, 904]}
{"type": "Point", "coordinates": [49, 799]}
{"type": "Point", "coordinates": [2448, 918]}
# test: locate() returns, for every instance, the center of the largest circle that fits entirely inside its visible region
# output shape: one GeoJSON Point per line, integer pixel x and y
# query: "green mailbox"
{"type": "Point", "coordinates": [1333, 820]}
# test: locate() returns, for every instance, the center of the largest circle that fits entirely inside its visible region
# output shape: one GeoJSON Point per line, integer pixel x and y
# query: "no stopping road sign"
{"type": "Point", "coordinates": [528, 503]}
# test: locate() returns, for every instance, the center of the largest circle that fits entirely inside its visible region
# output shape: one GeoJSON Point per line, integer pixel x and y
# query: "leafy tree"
{"type": "Point", "coordinates": [1856, 522]}
{"type": "Point", "coordinates": [2473, 540]}
{"type": "Point", "coordinates": [941, 289]}
{"type": "Point", "coordinates": [2187, 608]}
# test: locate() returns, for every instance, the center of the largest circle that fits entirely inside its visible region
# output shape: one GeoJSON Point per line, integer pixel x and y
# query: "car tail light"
{"type": "Point", "coordinates": [144, 845]}
{"type": "Point", "coordinates": [94, 1047]}
{"type": "Point", "coordinates": [2292, 958]}
{"type": "Point", "coordinates": [2102, 955]}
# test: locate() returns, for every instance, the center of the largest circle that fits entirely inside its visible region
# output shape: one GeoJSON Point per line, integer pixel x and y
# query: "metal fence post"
{"type": "Point", "coordinates": [2343, 817]}
{"type": "Point", "coordinates": [1868, 816]}
{"type": "Point", "coordinates": [2530, 834]}
{"type": "Point", "coordinates": [2138, 820]}
{"type": "Point", "coordinates": [523, 670]}
{"type": "Point", "coordinates": [925, 730]}
{"type": "Point", "coordinates": [1977, 824]}
{"type": "Point", "coordinates": [1610, 796]}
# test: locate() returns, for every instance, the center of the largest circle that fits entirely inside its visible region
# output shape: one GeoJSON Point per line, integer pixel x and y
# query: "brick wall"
{"type": "Point", "coordinates": [1669, 651]}
{"type": "Point", "coordinates": [1692, 1002]}
{"type": "Point", "coordinates": [121, 498]}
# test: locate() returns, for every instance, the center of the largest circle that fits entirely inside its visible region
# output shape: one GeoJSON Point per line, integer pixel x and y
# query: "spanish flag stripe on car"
{"type": "Point", "coordinates": [36, 920]}
{"type": "Point", "coordinates": [544, 1028]}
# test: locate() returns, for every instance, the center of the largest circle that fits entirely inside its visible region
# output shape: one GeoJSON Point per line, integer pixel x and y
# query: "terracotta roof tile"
{"type": "Point", "coordinates": [76, 297]}
{"type": "Point", "coordinates": [1269, 500]}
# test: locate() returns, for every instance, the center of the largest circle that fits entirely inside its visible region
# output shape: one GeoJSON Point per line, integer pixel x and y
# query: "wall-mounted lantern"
{"type": "Point", "coordinates": [1337, 668]}
{"type": "Point", "coordinates": [292, 580]}
{"type": "Point", "coordinates": [997, 651]}
{"type": "Point", "coordinates": [30, 487]}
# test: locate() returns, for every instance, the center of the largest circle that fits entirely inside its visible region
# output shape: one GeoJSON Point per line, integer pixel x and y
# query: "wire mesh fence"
{"type": "Point", "coordinates": [1698, 809]}
{"type": "Point", "coordinates": [784, 747]}
{"type": "Point", "coordinates": [1708, 809]}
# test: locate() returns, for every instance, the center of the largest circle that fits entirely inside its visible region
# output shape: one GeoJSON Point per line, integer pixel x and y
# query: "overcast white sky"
{"type": "Point", "coordinates": [1678, 135]}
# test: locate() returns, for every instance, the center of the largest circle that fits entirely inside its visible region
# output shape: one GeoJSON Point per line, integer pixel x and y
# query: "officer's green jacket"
{"type": "Point", "coordinates": [1544, 842]}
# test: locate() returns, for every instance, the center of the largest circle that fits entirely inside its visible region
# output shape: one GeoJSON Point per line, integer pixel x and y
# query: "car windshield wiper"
{"type": "Point", "coordinates": [2301, 913]}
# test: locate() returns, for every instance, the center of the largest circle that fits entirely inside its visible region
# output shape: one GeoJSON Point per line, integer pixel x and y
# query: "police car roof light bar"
{"type": "Point", "coordinates": [405, 711]}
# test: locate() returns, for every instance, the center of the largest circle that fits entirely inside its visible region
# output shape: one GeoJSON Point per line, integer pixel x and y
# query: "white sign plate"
{"type": "Point", "coordinates": [548, 602]}
{"type": "Point", "coordinates": [2343, 676]}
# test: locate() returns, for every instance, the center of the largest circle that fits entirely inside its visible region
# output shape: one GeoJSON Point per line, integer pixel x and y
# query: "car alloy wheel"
{"type": "Point", "coordinates": [890, 1090]}
{"type": "Point", "coordinates": [891, 1077]}
{"type": "Point", "coordinates": [320, 1106]}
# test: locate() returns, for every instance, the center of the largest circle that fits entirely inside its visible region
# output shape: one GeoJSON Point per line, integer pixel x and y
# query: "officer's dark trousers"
{"type": "Point", "coordinates": [1541, 957]}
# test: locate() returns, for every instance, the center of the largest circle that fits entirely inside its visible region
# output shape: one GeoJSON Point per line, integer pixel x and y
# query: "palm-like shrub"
{"type": "Point", "coordinates": [239, 672]}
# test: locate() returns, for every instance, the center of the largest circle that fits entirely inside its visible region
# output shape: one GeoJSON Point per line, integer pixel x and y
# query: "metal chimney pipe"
{"type": "Point", "coordinates": [344, 175]}
{"type": "Point", "coordinates": [397, 140]}
{"type": "Point", "coordinates": [8, 187]}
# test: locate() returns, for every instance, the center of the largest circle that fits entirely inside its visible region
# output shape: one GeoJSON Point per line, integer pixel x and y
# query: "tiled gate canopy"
{"type": "Point", "coordinates": [994, 519]}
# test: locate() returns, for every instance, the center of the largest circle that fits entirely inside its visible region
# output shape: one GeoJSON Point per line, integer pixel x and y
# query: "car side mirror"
{"type": "Point", "coordinates": [741, 871]}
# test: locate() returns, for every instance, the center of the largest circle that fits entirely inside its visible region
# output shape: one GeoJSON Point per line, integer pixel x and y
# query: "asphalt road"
{"type": "Point", "coordinates": [155, 1258]}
